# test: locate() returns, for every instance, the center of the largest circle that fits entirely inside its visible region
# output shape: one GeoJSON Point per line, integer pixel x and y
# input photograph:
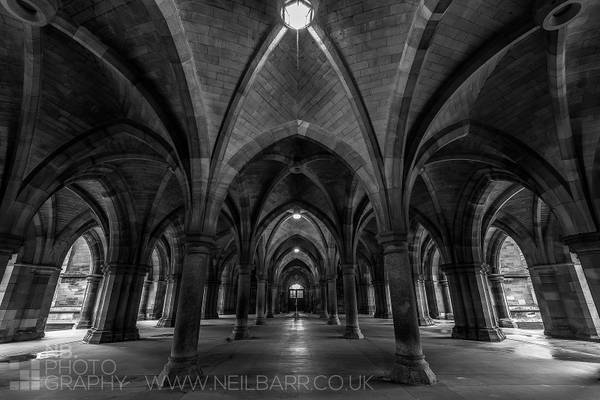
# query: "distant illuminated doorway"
{"type": "Point", "coordinates": [296, 298]}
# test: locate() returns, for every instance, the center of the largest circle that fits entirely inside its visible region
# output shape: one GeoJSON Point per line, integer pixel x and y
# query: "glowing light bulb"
{"type": "Point", "coordinates": [297, 14]}
{"type": "Point", "coordinates": [296, 216]}
{"type": "Point", "coordinates": [296, 250]}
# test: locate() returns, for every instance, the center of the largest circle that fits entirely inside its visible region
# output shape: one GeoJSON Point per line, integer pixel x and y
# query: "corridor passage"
{"type": "Point", "coordinates": [304, 358]}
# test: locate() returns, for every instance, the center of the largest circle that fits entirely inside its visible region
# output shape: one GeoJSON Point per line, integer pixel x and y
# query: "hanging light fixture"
{"type": "Point", "coordinates": [297, 14]}
{"type": "Point", "coordinates": [296, 215]}
{"type": "Point", "coordinates": [296, 250]}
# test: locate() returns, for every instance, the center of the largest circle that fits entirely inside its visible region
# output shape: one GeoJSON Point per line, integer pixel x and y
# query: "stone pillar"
{"type": "Point", "coordinates": [381, 303]}
{"type": "Point", "coordinates": [89, 301]}
{"type": "Point", "coordinates": [323, 296]}
{"type": "Point", "coordinates": [260, 301]}
{"type": "Point", "coordinates": [275, 299]}
{"type": "Point", "coordinates": [363, 297]}
{"type": "Point", "coordinates": [240, 330]}
{"type": "Point", "coordinates": [446, 299]}
{"type": "Point", "coordinates": [270, 301]}
{"type": "Point", "coordinates": [410, 366]}
{"type": "Point", "coordinates": [565, 302]}
{"type": "Point", "coordinates": [144, 300]}
{"type": "Point", "coordinates": [350, 303]}
{"type": "Point", "coordinates": [25, 299]}
{"type": "Point", "coordinates": [502, 310]}
{"type": "Point", "coordinates": [228, 298]}
{"type": "Point", "coordinates": [422, 306]}
{"type": "Point", "coordinates": [167, 320]}
{"type": "Point", "coordinates": [116, 315]}
{"type": "Point", "coordinates": [587, 247]}
{"type": "Point", "coordinates": [183, 361]}
{"type": "Point", "coordinates": [474, 316]}
{"type": "Point", "coordinates": [211, 300]}
{"type": "Point", "coordinates": [432, 300]}
{"type": "Point", "coordinates": [334, 319]}
{"type": "Point", "coordinates": [155, 307]}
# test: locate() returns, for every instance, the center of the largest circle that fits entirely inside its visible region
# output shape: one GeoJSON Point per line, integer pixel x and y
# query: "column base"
{"type": "Point", "coordinates": [212, 316]}
{"type": "Point", "coordinates": [84, 324]}
{"type": "Point", "coordinates": [323, 316]}
{"type": "Point", "coordinates": [412, 371]}
{"type": "Point", "coordinates": [482, 334]}
{"type": "Point", "coordinates": [179, 371]}
{"type": "Point", "coordinates": [22, 336]}
{"type": "Point", "coordinates": [354, 333]}
{"type": "Point", "coordinates": [141, 317]}
{"type": "Point", "coordinates": [333, 320]}
{"type": "Point", "coordinates": [260, 321]}
{"type": "Point", "coordinates": [152, 316]}
{"type": "Point", "coordinates": [97, 336]}
{"type": "Point", "coordinates": [270, 315]}
{"type": "Point", "coordinates": [166, 323]}
{"type": "Point", "coordinates": [240, 333]}
{"type": "Point", "coordinates": [426, 321]}
{"type": "Point", "coordinates": [382, 315]}
{"type": "Point", "coordinates": [507, 323]}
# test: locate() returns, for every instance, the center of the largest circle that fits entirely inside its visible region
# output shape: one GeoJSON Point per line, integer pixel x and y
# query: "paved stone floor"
{"type": "Point", "coordinates": [299, 358]}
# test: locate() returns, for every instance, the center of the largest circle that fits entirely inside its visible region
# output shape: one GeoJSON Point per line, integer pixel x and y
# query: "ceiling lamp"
{"type": "Point", "coordinates": [296, 216]}
{"type": "Point", "coordinates": [297, 14]}
{"type": "Point", "coordinates": [296, 250]}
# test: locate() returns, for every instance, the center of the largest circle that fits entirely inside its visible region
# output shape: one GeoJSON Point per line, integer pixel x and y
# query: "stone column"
{"type": "Point", "coordinates": [118, 304]}
{"type": "Point", "coordinates": [144, 299]}
{"type": "Point", "coordinates": [350, 303]}
{"type": "Point", "coordinates": [422, 306]}
{"type": "Point", "coordinates": [474, 316]}
{"type": "Point", "coordinates": [410, 366]}
{"type": "Point", "coordinates": [381, 304]}
{"type": "Point", "coordinates": [228, 307]}
{"type": "Point", "coordinates": [89, 301]}
{"type": "Point", "coordinates": [502, 310]}
{"type": "Point", "coordinates": [270, 300]}
{"type": "Point", "coordinates": [334, 319]}
{"type": "Point", "coordinates": [211, 300]}
{"type": "Point", "coordinates": [323, 295]}
{"type": "Point", "coordinates": [167, 320]}
{"type": "Point", "coordinates": [587, 247]}
{"type": "Point", "coordinates": [275, 299]}
{"type": "Point", "coordinates": [432, 301]}
{"type": "Point", "coordinates": [446, 299]}
{"type": "Point", "coordinates": [155, 308]}
{"type": "Point", "coordinates": [260, 301]}
{"type": "Point", "coordinates": [183, 361]}
{"type": "Point", "coordinates": [363, 297]}
{"type": "Point", "coordinates": [565, 303]}
{"type": "Point", "coordinates": [240, 330]}
{"type": "Point", "coordinates": [26, 300]}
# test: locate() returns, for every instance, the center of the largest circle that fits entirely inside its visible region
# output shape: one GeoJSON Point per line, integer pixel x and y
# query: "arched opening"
{"type": "Point", "coordinates": [68, 299]}
{"type": "Point", "coordinates": [518, 289]}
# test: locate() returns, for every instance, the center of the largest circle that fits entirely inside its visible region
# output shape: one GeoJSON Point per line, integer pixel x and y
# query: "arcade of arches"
{"type": "Point", "coordinates": [423, 162]}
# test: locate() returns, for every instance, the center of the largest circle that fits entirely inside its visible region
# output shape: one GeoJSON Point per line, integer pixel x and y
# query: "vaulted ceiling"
{"type": "Point", "coordinates": [373, 96]}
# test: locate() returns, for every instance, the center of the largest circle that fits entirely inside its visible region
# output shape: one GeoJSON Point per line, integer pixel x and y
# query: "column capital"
{"type": "Point", "coordinates": [393, 242]}
{"type": "Point", "coordinates": [467, 267]}
{"type": "Point", "coordinates": [125, 269]}
{"type": "Point", "coordinates": [348, 268]}
{"type": "Point", "coordinates": [198, 243]}
{"type": "Point", "coordinates": [9, 244]}
{"type": "Point", "coordinates": [496, 277]}
{"type": "Point", "coordinates": [48, 269]}
{"type": "Point", "coordinates": [583, 243]}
